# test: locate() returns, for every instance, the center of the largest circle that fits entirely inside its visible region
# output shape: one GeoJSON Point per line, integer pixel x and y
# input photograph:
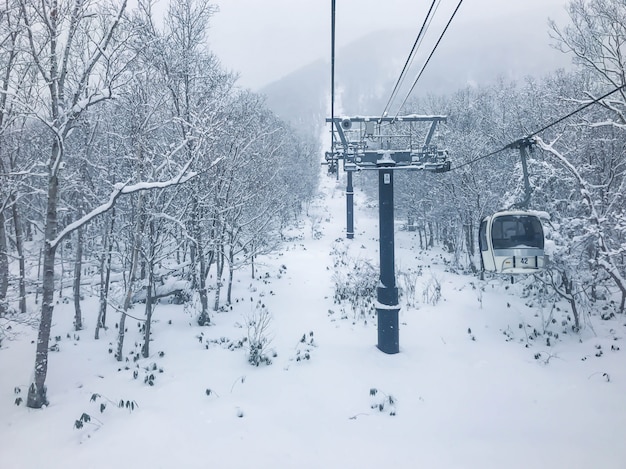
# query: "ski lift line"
{"type": "Point", "coordinates": [393, 120]}
{"type": "Point", "coordinates": [430, 56]}
{"type": "Point", "coordinates": [482, 157]}
{"type": "Point", "coordinates": [409, 59]}
{"type": "Point", "coordinates": [332, 80]}
{"type": "Point", "coordinates": [526, 140]}
{"type": "Point", "coordinates": [422, 39]}
{"type": "Point", "coordinates": [332, 66]}
{"type": "Point", "coordinates": [582, 108]}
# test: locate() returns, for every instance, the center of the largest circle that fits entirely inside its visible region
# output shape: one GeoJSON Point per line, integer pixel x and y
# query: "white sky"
{"type": "Point", "coordinates": [264, 40]}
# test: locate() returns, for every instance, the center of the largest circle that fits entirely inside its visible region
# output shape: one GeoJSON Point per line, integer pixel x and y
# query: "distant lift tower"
{"type": "Point", "coordinates": [385, 145]}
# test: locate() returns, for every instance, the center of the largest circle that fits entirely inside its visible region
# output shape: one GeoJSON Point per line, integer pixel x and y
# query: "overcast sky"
{"type": "Point", "coordinates": [264, 40]}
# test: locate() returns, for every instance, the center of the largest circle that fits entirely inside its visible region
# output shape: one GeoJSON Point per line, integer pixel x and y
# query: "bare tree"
{"type": "Point", "coordinates": [75, 47]}
{"type": "Point", "coordinates": [10, 44]}
{"type": "Point", "coordinates": [596, 37]}
{"type": "Point", "coordinates": [606, 256]}
{"type": "Point", "coordinates": [199, 91]}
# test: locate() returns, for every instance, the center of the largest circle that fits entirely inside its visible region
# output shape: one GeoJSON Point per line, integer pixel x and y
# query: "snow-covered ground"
{"type": "Point", "coordinates": [486, 377]}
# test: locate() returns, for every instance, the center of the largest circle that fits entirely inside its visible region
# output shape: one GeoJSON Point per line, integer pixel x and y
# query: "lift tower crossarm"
{"type": "Point", "coordinates": [407, 118]}
{"type": "Point", "coordinates": [357, 155]}
{"type": "Point", "coordinates": [344, 123]}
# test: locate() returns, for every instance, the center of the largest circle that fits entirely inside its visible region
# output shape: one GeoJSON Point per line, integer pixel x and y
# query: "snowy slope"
{"type": "Point", "coordinates": [476, 384]}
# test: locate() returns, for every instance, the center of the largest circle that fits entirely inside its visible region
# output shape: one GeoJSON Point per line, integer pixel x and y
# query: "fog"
{"type": "Point", "coordinates": [264, 41]}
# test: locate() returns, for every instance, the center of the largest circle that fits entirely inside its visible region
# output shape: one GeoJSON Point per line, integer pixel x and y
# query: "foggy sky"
{"type": "Point", "coordinates": [264, 40]}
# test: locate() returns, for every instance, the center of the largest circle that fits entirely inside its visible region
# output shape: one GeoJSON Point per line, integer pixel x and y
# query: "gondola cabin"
{"type": "Point", "coordinates": [511, 242]}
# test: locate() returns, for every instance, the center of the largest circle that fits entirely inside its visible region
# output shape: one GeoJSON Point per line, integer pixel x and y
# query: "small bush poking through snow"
{"type": "Point", "coordinates": [355, 284]}
{"type": "Point", "coordinates": [18, 399]}
{"type": "Point", "coordinates": [102, 402]}
{"type": "Point", "coordinates": [303, 349]}
{"type": "Point", "coordinates": [432, 291]}
{"type": "Point", "coordinates": [258, 323]}
{"type": "Point", "coordinates": [408, 283]}
{"type": "Point", "coordinates": [226, 343]}
{"type": "Point", "coordinates": [383, 402]}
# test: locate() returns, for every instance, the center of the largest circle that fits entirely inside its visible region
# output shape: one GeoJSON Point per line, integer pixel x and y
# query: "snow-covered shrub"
{"type": "Point", "coordinates": [355, 283]}
{"type": "Point", "coordinates": [150, 373]}
{"type": "Point", "coordinates": [258, 323]}
{"type": "Point", "coordinates": [382, 402]}
{"type": "Point", "coordinates": [101, 404]}
{"type": "Point", "coordinates": [432, 291]}
{"type": "Point", "coordinates": [407, 282]}
{"type": "Point", "coordinates": [17, 390]}
{"type": "Point", "coordinates": [304, 347]}
{"type": "Point", "coordinates": [227, 343]}
{"type": "Point", "coordinates": [316, 231]}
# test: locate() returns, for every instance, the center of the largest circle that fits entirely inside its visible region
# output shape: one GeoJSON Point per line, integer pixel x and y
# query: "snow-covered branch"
{"type": "Point", "coordinates": [605, 256]}
{"type": "Point", "coordinates": [121, 189]}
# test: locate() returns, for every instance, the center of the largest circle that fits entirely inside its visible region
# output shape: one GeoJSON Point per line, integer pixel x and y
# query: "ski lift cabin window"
{"type": "Point", "coordinates": [511, 243]}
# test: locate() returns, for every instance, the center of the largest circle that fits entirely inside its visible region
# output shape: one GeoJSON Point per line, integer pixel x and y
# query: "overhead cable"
{"type": "Point", "coordinates": [429, 57]}
{"type": "Point", "coordinates": [332, 64]}
{"type": "Point", "coordinates": [582, 108]}
{"type": "Point", "coordinates": [409, 59]}
{"type": "Point", "coordinates": [332, 81]}
{"type": "Point", "coordinates": [542, 129]}
{"type": "Point", "coordinates": [482, 157]}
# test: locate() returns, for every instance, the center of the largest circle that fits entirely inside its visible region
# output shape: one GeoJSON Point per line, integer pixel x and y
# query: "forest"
{"type": "Point", "coordinates": [129, 155]}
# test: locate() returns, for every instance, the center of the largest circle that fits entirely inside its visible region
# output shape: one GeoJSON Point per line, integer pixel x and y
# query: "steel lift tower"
{"type": "Point", "coordinates": [385, 145]}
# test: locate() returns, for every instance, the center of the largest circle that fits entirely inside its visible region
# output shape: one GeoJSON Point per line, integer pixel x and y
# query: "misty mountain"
{"type": "Point", "coordinates": [366, 70]}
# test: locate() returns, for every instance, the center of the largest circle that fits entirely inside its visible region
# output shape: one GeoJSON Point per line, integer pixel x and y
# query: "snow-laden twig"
{"type": "Point", "coordinates": [122, 189]}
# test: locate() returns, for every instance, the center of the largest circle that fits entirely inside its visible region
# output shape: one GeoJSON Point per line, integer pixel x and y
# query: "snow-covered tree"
{"type": "Point", "coordinates": [77, 49]}
{"type": "Point", "coordinates": [592, 148]}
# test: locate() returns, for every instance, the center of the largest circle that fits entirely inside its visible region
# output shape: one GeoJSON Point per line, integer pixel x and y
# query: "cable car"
{"type": "Point", "coordinates": [511, 242]}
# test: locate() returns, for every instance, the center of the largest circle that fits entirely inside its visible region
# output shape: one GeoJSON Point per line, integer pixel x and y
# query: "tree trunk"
{"type": "Point", "coordinates": [252, 262]}
{"type": "Point", "coordinates": [469, 239]}
{"type": "Point", "coordinates": [199, 279]}
{"type": "Point", "coordinates": [231, 272]}
{"type": "Point", "coordinates": [62, 276]}
{"type": "Point", "coordinates": [134, 261]}
{"type": "Point", "coordinates": [9, 55]}
{"type": "Point", "coordinates": [105, 276]}
{"type": "Point", "coordinates": [145, 350]}
{"type": "Point", "coordinates": [218, 273]}
{"type": "Point", "coordinates": [37, 390]}
{"type": "Point", "coordinates": [4, 266]}
{"type": "Point", "coordinates": [19, 246]}
{"type": "Point", "coordinates": [39, 262]}
{"type": "Point", "coordinates": [568, 285]}
{"type": "Point", "coordinates": [78, 268]}
{"type": "Point", "coordinates": [431, 240]}
{"type": "Point", "coordinates": [203, 319]}
{"type": "Point", "coordinates": [149, 262]}
{"type": "Point", "coordinates": [193, 249]}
